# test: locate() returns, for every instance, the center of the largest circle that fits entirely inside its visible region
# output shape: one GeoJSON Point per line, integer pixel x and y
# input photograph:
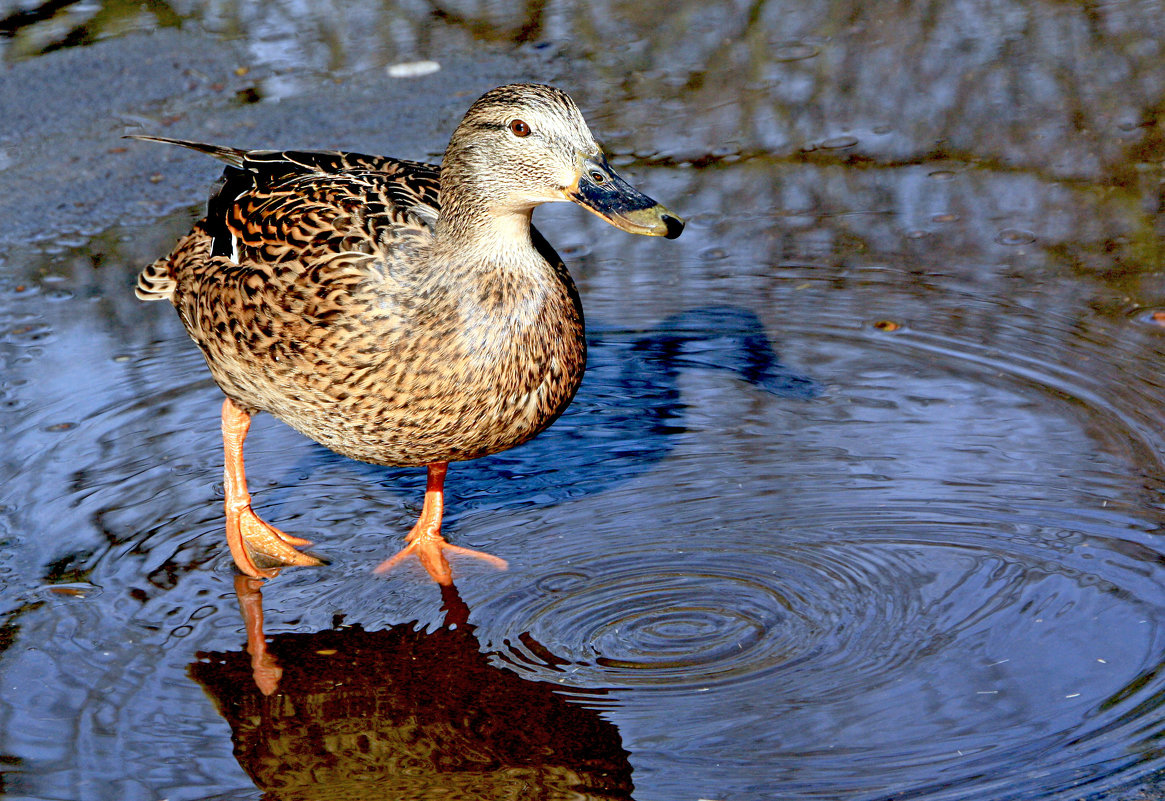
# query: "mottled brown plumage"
{"type": "Point", "coordinates": [395, 312]}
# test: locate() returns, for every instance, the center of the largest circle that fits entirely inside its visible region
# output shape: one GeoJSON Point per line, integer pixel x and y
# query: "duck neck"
{"type": "Point", "coordinates": [478, 233]}
{"type": "Point", "coordinates": [479, 222]}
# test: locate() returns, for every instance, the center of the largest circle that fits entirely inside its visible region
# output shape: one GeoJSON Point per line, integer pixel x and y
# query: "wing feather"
{"type": "Point", "coordinates": [273, 210]}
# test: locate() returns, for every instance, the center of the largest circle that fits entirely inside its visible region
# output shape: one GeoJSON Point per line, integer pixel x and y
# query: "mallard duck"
{"type": "Point", "coordinates": [396, 312]}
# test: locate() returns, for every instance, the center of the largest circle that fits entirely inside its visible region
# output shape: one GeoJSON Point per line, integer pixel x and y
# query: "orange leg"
{"type": "Point", "coordinates": [247, 535]}
{"type": "Point", "coordinates": [265, 670]}
{"type": "Point", "coordinates": [425, 539]}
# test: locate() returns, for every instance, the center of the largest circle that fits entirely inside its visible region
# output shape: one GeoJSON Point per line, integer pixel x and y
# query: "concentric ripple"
{"type": "Point", "coordinates": [728, 617]}
{"type": "Point", "coordinates": [669, 626]}
{"type": "Point", "coordinates": [931, 640]}
{"type": "Point", "coordinates": [702, 618]}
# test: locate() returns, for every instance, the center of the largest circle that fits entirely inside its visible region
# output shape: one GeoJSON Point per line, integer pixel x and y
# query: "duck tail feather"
{"type": "Point", "coordinates": [230, 155]}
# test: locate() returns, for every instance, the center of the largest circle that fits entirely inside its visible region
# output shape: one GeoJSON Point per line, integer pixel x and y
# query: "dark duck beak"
{"type": "Point", "coordinates": [601, 190]}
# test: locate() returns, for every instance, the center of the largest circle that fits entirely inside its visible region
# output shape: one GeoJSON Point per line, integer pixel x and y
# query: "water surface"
{"type": "Point", "coordinates": [861, 497]}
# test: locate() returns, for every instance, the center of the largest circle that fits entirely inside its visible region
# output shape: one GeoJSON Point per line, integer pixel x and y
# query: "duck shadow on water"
{"type": "Point", "coordinates": [403, 714]}
{"type": "Point", "coordinates": [625, 419]}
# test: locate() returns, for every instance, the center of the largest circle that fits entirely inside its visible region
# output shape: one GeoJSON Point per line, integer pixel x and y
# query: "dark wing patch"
{"type": "Point", "coordinates": [272, 207]}
{"type": "Point", "coordinates": [279, 202]}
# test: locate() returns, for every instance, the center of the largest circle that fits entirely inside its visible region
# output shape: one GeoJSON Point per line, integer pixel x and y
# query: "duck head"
{"type": "Point", "coordinates": [525, 144]}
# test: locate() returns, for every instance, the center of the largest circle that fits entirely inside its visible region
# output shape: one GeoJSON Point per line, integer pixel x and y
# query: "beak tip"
{"type": "Point", "coordinates": [675, 226]}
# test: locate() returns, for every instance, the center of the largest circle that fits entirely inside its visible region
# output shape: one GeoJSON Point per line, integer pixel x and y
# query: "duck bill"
{"type": "Point", "coordinates": [603, 191]}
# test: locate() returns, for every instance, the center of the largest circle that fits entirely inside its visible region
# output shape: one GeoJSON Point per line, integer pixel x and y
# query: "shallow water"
{"type": "Point", "coordinates": [861, 497]}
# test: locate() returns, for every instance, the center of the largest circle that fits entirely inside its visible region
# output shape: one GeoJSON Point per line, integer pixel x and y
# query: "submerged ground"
{"type": "Point", "coordinates": [861, 498]}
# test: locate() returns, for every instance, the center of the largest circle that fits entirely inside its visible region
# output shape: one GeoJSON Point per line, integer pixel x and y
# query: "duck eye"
{"type": "Point", "coordinates": [598, 177]}
{"type": "Point", "coordinates": [519, 128]}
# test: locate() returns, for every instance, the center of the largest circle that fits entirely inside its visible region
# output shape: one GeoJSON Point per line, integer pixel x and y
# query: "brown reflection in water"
{"type": "Point", "coordinates": [402, 714]}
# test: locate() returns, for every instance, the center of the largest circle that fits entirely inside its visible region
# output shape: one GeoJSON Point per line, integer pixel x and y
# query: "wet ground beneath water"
{"type": "Point", "coordinates": [862, 496]}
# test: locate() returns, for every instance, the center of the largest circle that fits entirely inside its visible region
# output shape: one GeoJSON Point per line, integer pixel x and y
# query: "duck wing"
{"type": "Point", "coordinates": [300, 209]}
{"type": "Point", "coordinates": [301, 270]}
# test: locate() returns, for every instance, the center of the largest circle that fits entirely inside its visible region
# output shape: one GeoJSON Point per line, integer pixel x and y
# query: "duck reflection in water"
{"type": "Point", "coordinates": [403, 714]}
